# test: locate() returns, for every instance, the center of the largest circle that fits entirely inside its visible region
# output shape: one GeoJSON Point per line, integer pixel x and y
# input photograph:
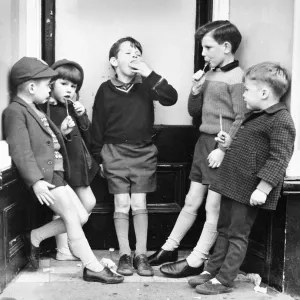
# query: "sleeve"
{"type": "Point", "coordinates": [85, 128]}
{"type": "Point", "coordinates": [238, 106]}
{"type": "Point", "coordinates": [17, 137]}
{"type": "Point", "coordinates": [161, 91]}
{"type": "Point", "coordinates": [195, 103]}
{"type": "Point", "coordinates": [98, 125]}
{"type": "Point", "coordinates": [282, 139]}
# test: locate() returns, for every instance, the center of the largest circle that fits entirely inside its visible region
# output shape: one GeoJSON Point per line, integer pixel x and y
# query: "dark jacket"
{"type": "Point", "coordinates": [82, 165]}
{"type": "Point", "coordinates": [30, 144]}
{"type": "Point", "coordinates": [261, 150]}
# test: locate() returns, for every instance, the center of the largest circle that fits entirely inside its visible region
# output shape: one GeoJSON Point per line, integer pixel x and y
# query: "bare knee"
{"type": "Point", "coordinates": [138, 201]}
{"type": "Point", "coordinates": [212, 207]}
{"type": "Point", "coordinates": [192, 202]}
{"type": "Point", "coordinates": [122, 203]}
{"type": "Point", "coordinates": [87, 197]}
{"type": "Point", "coordinates": [84, 216]}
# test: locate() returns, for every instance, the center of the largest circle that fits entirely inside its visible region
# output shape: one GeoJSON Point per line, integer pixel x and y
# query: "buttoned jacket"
{"type": "Point", "coordinates": [261, 150]}
{"type": "Point", "coordinates": [30, 144]}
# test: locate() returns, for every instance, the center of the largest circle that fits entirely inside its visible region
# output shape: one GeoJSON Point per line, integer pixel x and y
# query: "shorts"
{"type": "Point", "coordinates": [200, 171]}
{"type": "Point", "coordinates": [130, 168]}
{"type": "Point", "coordinates": [58, 179]}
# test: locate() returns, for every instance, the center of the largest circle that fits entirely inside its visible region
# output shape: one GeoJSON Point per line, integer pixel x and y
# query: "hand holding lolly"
{"type": "Point", "coordinates": [198, 79]}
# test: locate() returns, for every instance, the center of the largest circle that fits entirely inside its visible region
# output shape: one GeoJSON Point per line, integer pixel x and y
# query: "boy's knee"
{"type": "Point", "coordinates": [122, 202]}
{"type": "Point", "coordinates": [84, 216]}
{"type": "Point", "coordinates": [192, 201]}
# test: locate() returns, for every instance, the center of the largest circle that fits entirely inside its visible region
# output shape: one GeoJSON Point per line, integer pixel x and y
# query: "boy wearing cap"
{"type": "Point", "coordinates": [122, 124]}
{"type": "Point", "coordinates": [65, 93]}
{"type": "Point", "coordinates": [38, 151]}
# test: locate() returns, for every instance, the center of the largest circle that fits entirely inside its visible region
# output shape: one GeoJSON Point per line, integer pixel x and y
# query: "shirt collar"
{"type": "Point", "coordinates": [270, 110]}
{"type": "Point", "coordinates": [229, 66]}
{"type": "Point", "coordinates": [116, 82]}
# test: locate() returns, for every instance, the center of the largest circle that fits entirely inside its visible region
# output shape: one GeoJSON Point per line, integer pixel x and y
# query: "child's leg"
{"type": "Point", "coordinates": [140, 221]}
{"type": "Point", "coordinates": [187, 216]}
{"type": "Point", "coordinates": [71, 210]}
{"type": "Point", "coordinates": [242, 220]}
{"type": "Point", "coordinates": [209, 232]}
{"type": "Point", "coordinates": [88, 200]}
{"type": "Point", "coordinates": [121, 220]}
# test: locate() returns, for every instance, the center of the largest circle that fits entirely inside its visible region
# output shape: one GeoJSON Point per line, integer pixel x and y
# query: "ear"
{"type": "Point", "coordinates": [31, 88]}
{"type": "Point", "coordinates": [265, 91]}
{"type": "Point", "coordinates": [113, 61]}
{"type": "Point", "coordinates": [227, 47]}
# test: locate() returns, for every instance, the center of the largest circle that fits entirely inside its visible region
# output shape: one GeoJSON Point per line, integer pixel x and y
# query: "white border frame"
{"type": "Point", "coordinates": [220, 10]}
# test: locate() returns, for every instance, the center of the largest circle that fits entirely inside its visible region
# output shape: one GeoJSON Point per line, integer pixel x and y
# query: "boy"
{"type": "Point", "coordinates": [39, 153]}
{"type": "Point", "coordinates": [123, 117]}
{"type": "Point", "coordinates": [252, 173]}
{"type": "Point", "coordinates": [219, 91]}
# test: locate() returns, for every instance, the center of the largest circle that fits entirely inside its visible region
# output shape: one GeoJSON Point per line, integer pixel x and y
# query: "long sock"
{"type": "Point", "coordinates": [81, 249]}
{"type": "Point", "coordinates": [62, 244]}
{"type": "Point", "coordinates": [140, 223]}
{"type": "Point", "coordinates": [183, 224]}
{"type": "Point", "coordinates": [121, 221]}
{"type": "Point", "coordinates": [206, 241]}
{"type": "Point", "coordinates": [50, 229]}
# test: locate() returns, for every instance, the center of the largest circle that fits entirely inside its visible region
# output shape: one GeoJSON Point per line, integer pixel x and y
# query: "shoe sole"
{"type": "Point", "coordinates": [101, 281]}
{"type": "Point", "coordinates": [205, 292]}
{"type": "Point", "coordinates": [130, 273]}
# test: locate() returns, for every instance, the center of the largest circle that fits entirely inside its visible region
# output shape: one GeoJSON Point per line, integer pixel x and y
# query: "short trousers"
{"type": "Point", "coordinates": [130, 168]}
{"type": "Point", "coordinates": [200, 171]}
{"type": "Point", "coordinates": [58, 179]}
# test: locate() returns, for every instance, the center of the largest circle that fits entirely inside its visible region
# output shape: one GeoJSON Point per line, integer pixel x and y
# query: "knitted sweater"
{"type": "Point", "coordinates": [221, 93]}
{"type": "Point", "coordinates": [121, 116]}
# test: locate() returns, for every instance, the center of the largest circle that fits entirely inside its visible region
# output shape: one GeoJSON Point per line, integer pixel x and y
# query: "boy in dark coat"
{"type": "Point", "coordinates": [122, 127]}
{"type": "Point", "coordinates": [252, 173]}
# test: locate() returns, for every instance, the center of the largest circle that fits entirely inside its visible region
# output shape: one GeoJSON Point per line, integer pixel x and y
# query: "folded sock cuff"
{"type": "Point", "coordinates": [120, 215]}
{"type": "Point", "coordinates": [139, 211]}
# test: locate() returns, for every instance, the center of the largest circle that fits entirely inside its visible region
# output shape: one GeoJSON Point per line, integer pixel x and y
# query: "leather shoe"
{"type": "Point", "coordinates": [125, 265]}
{"type": "Point", "coordinates": [162, 256]}
{"type": "Point", "coordinates": [180, 268]}
{"type": "Point", "coordinates": [200, 279]}
{"type": "Point", "coordinates": [104, 276]}
{"type": "Point", "coordinates": [140, 262]}
{"type": "Point", "coordinates": [32, 252]}
{"type": "Point", "coordinates": [209, 288]}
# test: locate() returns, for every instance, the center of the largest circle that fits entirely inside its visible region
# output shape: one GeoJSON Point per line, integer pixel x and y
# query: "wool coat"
{"type": "Point", "coordinates": [83, 167]}
{"type": "Point", "coordinates": [30, 144]}
{"type": "Point", "coordinates": [261, 150]}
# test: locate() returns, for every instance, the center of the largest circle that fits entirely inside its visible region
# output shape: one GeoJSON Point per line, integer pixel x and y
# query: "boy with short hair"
{"type": "Point", "coordinates": [122, 124]}
{"type": "Point", "coordinates": [218, 91]}
{"type": "Point", "coordinates": [252, 173]}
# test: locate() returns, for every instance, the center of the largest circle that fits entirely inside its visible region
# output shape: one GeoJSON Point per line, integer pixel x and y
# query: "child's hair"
{"type": "Point", "coordinates": [115, 48]}
{"type": "Point", "coordinates": [277, 77]}
{"type": "Point", "coordinates": [221, 32]}
{"type": "Point", "coordinates": [71, 73]}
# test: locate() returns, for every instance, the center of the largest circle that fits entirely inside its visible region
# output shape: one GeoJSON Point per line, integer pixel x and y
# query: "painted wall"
{"type": "Point", "coordinates": [267, 29]}
{"type": "Point", "coordinates": [86, 29]}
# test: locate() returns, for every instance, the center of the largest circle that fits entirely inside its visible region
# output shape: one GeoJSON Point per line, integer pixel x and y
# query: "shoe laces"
{"type": "Point", "coordinates": [143, 260]}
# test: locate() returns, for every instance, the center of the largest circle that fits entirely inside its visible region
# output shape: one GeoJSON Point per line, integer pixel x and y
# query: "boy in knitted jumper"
{"type": "Point", "coordinates": [122, 127]}
{"type": "Point", "coordinates": [218, 92]}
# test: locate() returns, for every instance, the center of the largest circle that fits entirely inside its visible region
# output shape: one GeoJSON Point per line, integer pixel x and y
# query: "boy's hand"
{"type": "Point", "coordinates": [197, 81]}
{"type": "Point", "coordinates": [140, 67]}
{"type": "Point", "coordinates": [215, 158]}
{"type": "Point", "coordinates": [79, 108]}
{"type": "Point", "coordinates": [258, 198]}
{"type": "Point", "coordinates": [67, 125]}
{"type": "Point", "coordinates": [42, 192]}
{"type": "Point", "coordinates": [224, 138]}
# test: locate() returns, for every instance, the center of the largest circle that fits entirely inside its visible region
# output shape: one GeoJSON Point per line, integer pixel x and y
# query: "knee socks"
{"type": "Point", "coordinates": [121, 221]}
{"type": "Point", "coordinates": [183, 224]}
{"type": "Point", "coordinates": [206, 241]}
{"type": "Point", "coordinates": [140, 222]}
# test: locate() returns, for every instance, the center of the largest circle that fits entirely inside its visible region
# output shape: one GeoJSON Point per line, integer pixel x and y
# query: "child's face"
{"type": "Point", "coordinates": [42, 91]}
{"type": "Point", "coordinates": [253, 94]}
{"type": "Point", "coordinates": [213, 52]}
{"type": "Point", "coordinates": [63, 90]}
{"type": "Point", "coordinates": [126, 55]}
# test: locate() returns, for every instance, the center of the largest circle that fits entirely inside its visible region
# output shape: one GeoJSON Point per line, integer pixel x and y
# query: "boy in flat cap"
{"type": "Point", "coordinates": [37, 148]}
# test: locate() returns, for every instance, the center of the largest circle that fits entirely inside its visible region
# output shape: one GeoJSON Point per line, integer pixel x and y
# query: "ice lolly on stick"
{"type": "Point", "coordinates": [199, 74]}
{"type": "Point", "coordinates": [221, 123]}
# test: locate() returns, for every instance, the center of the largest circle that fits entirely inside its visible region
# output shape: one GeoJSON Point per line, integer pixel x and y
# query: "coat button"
{"type": "Point", "coordinates": [50, 162]}
{"type": "Point", "coordinates": [242, 127]}
{"type": "Point", "coordinates": [48, 143]}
